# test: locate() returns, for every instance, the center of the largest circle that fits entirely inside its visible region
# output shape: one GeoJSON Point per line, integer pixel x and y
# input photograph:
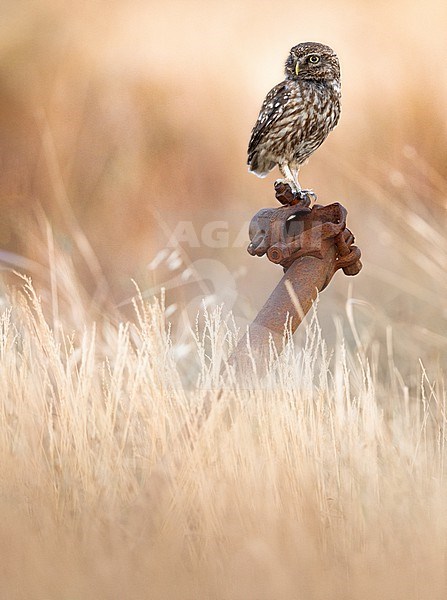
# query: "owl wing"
{"type": "Point", "coordinates": [271, 110]}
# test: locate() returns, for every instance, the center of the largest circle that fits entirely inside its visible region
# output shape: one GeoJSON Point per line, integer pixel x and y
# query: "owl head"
{"type": "Point", "coordinates": [313, 61]}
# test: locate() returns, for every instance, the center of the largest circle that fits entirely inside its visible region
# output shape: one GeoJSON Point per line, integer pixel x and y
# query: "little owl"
{"type": "Point", "coordinates": [298, 113]}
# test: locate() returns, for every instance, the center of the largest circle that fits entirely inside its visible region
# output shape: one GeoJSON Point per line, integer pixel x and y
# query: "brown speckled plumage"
{"type": "Point", "coordinates": [298, 113]}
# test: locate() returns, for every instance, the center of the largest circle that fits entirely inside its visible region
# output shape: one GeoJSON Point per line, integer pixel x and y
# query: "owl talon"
{"type": "Point", "coordinates": [309, 195]}
{"type": "Point", "coordinates": [289, 194]}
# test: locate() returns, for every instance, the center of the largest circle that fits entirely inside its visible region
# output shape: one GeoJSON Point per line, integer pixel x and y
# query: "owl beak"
{"type": "Point", "coordinates": [297, 69]}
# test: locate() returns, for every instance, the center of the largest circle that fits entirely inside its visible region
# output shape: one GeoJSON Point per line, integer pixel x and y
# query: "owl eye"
{"type": "Point", "coordinates": [314, 59]}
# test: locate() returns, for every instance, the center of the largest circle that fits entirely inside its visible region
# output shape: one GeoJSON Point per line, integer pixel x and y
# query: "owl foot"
{"type": "Point", "coordinates": [310, 194]}
{"type": "Point", "coordinates": [288, 193]}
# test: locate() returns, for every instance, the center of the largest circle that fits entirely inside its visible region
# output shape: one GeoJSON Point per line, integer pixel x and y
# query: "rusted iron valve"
{"type": "Point", "coordinates": [292, 231]}
{"type": "Point", "coordinates": [311, 244]}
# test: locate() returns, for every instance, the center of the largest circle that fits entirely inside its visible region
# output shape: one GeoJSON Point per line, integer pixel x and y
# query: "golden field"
{"type": "Point", "coordinates": [124, 125]}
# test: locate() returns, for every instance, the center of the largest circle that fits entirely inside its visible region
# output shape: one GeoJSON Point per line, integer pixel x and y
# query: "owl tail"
{"type": "Point", "coordinates": [259, 167]}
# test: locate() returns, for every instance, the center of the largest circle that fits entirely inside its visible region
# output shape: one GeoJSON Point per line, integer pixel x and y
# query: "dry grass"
{"type": "Point", "coordinates": [322, 480]}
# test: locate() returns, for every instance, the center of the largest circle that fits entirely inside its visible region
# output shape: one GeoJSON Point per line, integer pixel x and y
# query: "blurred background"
{"type": "Point", "coordinates": [123, 134]}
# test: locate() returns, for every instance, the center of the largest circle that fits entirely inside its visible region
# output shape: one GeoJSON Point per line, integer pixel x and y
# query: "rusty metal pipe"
{"type": "Point", "coordinates": [311, 244]}
{"type": "Point", "coordinates": [307, 276]}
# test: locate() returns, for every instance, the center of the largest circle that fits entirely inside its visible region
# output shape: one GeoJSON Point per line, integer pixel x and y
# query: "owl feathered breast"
{"type": "Point", "coordinates": [296, 117]}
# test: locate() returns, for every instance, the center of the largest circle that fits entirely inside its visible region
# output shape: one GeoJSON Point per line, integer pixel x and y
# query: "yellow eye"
{"type": "Point", "coordinates": [314, 59]}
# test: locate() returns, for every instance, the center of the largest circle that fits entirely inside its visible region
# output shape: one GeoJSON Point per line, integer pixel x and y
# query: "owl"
{"type": "Point", "coordinates": [297, 114]}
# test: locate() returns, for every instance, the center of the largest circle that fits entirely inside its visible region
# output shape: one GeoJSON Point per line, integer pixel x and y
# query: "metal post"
{"type": "Point", "coordinates": [311, 245]}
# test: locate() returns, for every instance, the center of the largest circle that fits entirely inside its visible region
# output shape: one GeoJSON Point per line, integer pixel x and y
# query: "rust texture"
{"type": "Point", "coordinates": [311, 244]}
